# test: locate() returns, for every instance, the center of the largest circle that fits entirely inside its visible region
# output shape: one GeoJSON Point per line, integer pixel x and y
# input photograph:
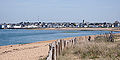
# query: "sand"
{"type": "Point", "coordinates": [32, 51]}
{"type": "Point", "coordinates": [105, 29]}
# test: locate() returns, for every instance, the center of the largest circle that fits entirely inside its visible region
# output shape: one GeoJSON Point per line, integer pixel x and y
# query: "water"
{"type": "Point", "coordinates": [22, 36]}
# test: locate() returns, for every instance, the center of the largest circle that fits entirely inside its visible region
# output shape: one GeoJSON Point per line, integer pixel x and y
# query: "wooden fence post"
{"type": "Point", "coordinates": [50, 53]}
{"type": "Point", "coordinates": [60, 46]}
{"type": "Point", "coordinates": [64, 43]}
{"type": "Point", "coordinates": [53, 53]}
{"type": "Point", "coordinates": [57, 47]}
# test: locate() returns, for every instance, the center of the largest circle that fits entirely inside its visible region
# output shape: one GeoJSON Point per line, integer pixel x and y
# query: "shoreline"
{"type": "Point", "coordinates": [82, 29]}
{"type": "Point", "coordinates": [31, 51]}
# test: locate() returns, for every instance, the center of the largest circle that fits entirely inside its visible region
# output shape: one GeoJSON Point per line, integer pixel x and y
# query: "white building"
{"type": "Point", "coordinates": [31, 26]}
{"type": "Point", "coordinates": [119, 25]}
{"type": "Point", "coordinates": [85, 26]}
{"type": "Point", "coordinates": [17, 26]}
{"type": "Point", "coordinates": [113, 25]}
{"type": "Point", "coordinates": [9, 26]}
{"type": "Point", "coordinates": [4, 26]}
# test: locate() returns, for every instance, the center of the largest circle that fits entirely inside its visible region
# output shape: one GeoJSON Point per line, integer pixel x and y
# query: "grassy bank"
{"type": "Point", "coordinates": [99, 49]}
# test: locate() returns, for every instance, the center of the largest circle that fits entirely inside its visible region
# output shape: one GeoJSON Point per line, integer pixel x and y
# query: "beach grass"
{"type": "Point", "coordinates": [42, 59]}
{"type": "Point", "coordinates": [92, 50]}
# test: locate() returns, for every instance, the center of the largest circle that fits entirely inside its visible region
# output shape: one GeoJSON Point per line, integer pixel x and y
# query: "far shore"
{"type": "Point", "coordinates": [82, 29]}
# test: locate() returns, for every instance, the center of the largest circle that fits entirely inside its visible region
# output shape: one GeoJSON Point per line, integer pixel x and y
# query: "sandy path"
{"type": "Point", "coordinates": [32, 51]}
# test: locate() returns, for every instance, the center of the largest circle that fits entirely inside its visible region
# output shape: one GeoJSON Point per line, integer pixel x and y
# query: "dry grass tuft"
{"type": "Point", "coordinates": [42, 59]}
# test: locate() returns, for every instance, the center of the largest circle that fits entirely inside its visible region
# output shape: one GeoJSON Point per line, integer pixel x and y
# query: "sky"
{"type": "Point", "coordinates": [13, 11]}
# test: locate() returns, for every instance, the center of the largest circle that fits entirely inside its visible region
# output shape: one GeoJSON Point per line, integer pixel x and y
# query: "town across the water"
{"type": "Point", "coordinates": [58, 25]}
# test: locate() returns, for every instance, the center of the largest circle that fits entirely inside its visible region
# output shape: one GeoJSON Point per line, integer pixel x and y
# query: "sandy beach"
{"type": "Point", "coordinates": [104, 29]}
{"type": "Point", "coordinates": [32, 51]}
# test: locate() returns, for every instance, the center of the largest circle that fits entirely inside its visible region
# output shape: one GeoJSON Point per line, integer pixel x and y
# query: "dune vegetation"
{"type": "Point", "coordinates": [99, 49]}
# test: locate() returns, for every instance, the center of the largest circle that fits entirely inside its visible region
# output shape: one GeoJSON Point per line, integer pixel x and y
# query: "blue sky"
{"type": "Point", "coordinates": [12, 11]}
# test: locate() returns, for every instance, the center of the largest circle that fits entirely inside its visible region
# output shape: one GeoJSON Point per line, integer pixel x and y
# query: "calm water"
{"type": "Point", "coordinates": [21, 36]}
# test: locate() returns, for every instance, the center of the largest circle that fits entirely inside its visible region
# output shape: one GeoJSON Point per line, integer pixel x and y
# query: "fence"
{"type": "Point", "coordinates": [57, 47]}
